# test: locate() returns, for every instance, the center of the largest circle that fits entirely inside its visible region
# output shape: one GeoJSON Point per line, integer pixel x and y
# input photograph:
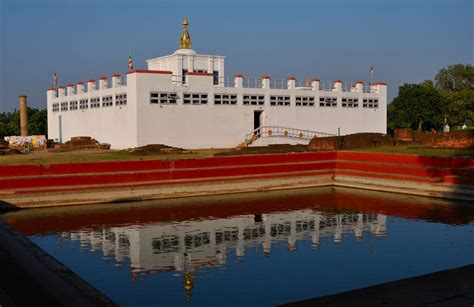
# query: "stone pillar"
{"type": "Point", "coordinates": [80, 87]}
{"type": "Point", "coordinates": [23, 115]}
{"type": "Point", "coordinates": [337, 87]}
{"type": "Point", "coordinates": [359, 85]}
{"type": "Point", "coordinates": [70, 89]}
{"type": "Point", "coordinates": [91, 86]}
{"type": "Point", "coordinates": [61, 91]}
{"type": "Point", "coordinates": [265, 81]}
{"type": "Point", "coordinates": [115, 80]}
{"type": "Point", "coordinates": [291, 83]}
{"type": "Point", "coordinates": [103, 83]}
{"type": "Point", "coordinates": [315, 85]}
{"type": "Point", "coordinates": [239, 80]}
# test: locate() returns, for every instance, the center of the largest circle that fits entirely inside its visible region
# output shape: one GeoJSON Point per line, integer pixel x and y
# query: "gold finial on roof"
{"type": "Point", "coordinates": [185, 42]}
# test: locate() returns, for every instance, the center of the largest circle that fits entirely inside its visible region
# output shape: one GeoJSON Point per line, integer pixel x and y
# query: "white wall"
{"type": "Point", "coordinates": [116, 125]}
{"type": "Point", "coordinates": [221, 126]}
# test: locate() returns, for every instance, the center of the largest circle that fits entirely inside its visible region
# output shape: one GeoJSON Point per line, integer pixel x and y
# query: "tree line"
{"type": "Point", "coordinates": [449, 99]}
{"type": "Point", "coordinates": [37, 122]}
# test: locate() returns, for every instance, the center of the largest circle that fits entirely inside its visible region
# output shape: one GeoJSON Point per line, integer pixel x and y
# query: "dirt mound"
{"type": "Point", "coordinates": [77, 143]}
{"type": "Point", "coordinates": [154, 149]}
{"type": "Point", "coordinates": [9, 151]}
{"type": "Point", "coordinates": [350, 141]}
{"type": "Point", "coordinates": [3, 144]}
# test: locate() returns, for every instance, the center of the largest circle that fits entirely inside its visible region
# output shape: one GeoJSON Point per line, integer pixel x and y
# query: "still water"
{"type": "Point", "coordinates": [253, 249]}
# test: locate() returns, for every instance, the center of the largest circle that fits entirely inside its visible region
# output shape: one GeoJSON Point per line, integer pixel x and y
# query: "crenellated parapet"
{"type": "Point", "coordinates": [92, 85]}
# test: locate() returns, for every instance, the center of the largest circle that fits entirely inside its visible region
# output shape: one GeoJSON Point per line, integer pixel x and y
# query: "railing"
{"type": "Point", "coordinates": [326, 86]}
{"type": "Point", "coordinates": [303, 84]}
{"type": "Point", "coordinates": [252, 83]}
{"type": "Point", "coordinates": [285, 132]}
{"type": "Point", "coordinates": [279, 84]}
{"type": "Point", "coordinates": [226, 82]}
{"type": "Point", "coordinates": [123, 80]}
{"type": "Point", "coordinates": [366, 88]}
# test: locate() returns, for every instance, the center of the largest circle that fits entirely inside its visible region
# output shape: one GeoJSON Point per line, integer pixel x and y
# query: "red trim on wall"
{"type": "Point", "coordinates": [291, 78]}
{"type": "Point", "coordinates": [61, 87]}
{"type": "Point", "coordinates": [388, 166]}
{"type": "Point", "coordinates": [192, 73]}
{"type": "Point", "coordinates": [80, 83]}
{"type": "Point", "coordinates": [103, 78]}
{"type": "Point", "coordinates": [379, 83]}
{"type": "Point", "coordinates": [70, 85]}
{"type": "Point", "coordinates": [265, 77]}
{"type": "Point", "coordinates": [116, 75]}
{"type": "Point", "coordinates": [144, 71]}
{"type": "Point", "coordinates": [238, 76]}
{"type": "Point", "coordinates": [337, 81]}
{"type": "Point", "coordinates": [90, 81]}
{"type": "Point", "coordinates": [51, 89]}
{"type": "Point", "coordinates": [359, 82]}
{"type": "Point", "coordinates": [316, 79]}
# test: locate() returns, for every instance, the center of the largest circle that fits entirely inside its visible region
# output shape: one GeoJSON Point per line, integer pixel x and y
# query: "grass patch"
{"type": "Point", "coordinates": [100, 156]}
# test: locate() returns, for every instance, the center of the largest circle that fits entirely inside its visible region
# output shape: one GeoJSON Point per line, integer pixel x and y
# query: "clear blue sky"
{"type": "Point", "coordinates": [406, 41]}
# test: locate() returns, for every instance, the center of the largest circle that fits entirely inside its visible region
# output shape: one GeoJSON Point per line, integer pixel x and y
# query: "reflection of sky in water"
{"type": "Point", "coordinates": [257, 260]}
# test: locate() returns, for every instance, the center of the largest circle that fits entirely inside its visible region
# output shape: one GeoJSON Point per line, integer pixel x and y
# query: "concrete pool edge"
{"type": "Point", "coordinates": [58, 283]}
{"type": "Point", "coordinates": [135, 194]}
{"type": "Point", "coordinates": [30, 186]}
{"type": "Point", "coordinates": [453, 287]}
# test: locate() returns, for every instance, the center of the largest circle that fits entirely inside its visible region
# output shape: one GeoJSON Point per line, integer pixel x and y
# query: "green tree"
{"type": "Point", "coordinates": [456, 84]}
{"type": "Point", "coordinates": [417, 104]}
{"type": "Point", "coordinates": [37, 122]}
{"type": "Point", "coordinates": [455, 78]}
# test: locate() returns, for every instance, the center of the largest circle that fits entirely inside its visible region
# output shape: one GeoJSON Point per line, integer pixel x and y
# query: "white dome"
{"type": "Point", "coordinates": [185, 52]}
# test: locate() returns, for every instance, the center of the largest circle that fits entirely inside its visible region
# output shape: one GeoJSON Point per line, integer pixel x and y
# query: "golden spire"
{"type": "Point", "coordinates": [188, 281]}
{"type": "Point", "coordinates": [185, 42]}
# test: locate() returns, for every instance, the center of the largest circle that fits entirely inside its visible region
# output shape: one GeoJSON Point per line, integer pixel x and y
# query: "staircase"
{"type": "Point", "coordinates": [278, 134]}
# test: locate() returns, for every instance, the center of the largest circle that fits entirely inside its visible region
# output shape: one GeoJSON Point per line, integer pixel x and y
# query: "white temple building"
{"type": "Point", "coordinates": [186, 100]}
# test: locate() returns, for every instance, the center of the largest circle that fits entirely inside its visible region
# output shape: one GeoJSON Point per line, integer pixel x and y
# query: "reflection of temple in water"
{"type": "Point", "coordinates": [189, 245]}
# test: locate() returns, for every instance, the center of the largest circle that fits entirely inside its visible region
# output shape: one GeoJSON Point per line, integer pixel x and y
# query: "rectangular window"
{"type": "Point", "coordinates": [95, 103]}
{"type": "Point", "coordinates": [55, 107]}
{"type": "Point", "coordinates": [304, 101]}
{"type": "Point", "coordinates": [163, 98]}
{"type": "Point", "coordinates": [195, 98]}
{"type": "Point", "coordinates": [215, 77]}
{"type": "Point", "coordinates": [120, 99]}
{"type": "Point", "coordinates": [254, 100]}
{"type": "Point", "coordinates": [73, 105]}
{"type": "Point", "coordinates": [370, 103]}
{"type": "Point", "coordinates": [279, 100]}
{"type": "Point", "coordinates": [350, 102]}
{"type": "Point", "coordinates": [225, 99]}
{"type": "Point", "coordinates": [107, 101]}
{"type": "Point", "coordinates": [64, 106]}
{"type": "Point", "coordinates": [83, 104]}
{"type": "Point", "coordinates": [328, 101]}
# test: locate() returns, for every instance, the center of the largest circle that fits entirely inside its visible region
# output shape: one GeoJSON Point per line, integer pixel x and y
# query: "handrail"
{"type": "Point", "coordinates": [286, 132]}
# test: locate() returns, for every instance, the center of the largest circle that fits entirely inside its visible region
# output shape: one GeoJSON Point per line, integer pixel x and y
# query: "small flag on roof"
{"type": "Point", "coordinates": [55, 78]}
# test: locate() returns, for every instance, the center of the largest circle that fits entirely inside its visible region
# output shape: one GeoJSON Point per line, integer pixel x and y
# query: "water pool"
{"type": "Point", "coordinates": [258, 249]}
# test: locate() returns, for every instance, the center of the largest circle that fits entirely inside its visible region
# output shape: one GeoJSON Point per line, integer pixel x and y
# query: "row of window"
{"type": "Point", "coordinates": [259, 100]}
{"type": "Point", "coordinates": [219, 99]}
{"type": "Point", "coordinates": [107, 101]}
